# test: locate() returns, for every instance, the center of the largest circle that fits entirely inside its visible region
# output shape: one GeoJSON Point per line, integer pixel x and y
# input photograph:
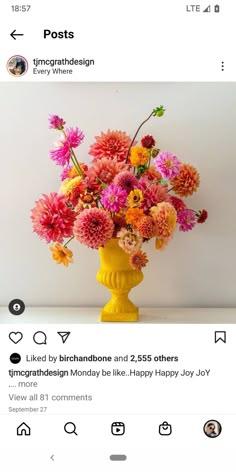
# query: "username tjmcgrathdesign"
{"type": "Point", "coordinates": [64, 62]}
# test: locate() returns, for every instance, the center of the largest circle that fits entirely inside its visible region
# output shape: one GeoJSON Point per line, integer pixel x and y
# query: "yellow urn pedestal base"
{"type": "Point", "coordinates": [118, 276]}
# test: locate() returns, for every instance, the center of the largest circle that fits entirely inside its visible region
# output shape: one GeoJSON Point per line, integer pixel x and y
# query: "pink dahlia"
{"type": "Point", "coordinates": [126, 180]}
{"type": "Point", "coordinates": [61, 153]}
{"type": "Point", "coordinates": [113, 198]}
{"type": "Point", "coordinates": [153, 194]}
{"type": "Point", "coordinates": [112, 144]}
{"type": "Point", "coordinates": [55, 122]}
{"type": "Point", "coordinates": [103, 171]}
{"type": "Point", "coordinates": [177, 203]}
{"type": "Point", "coordinates": [52, 219]}
{"type": "Point", "coordinates": [186, 220]}
{"type": "Point", "coordinates": [167, 164]}
{"type": "Point", "coordinates": [74, 137]}
{"type": "Point", "coordinates": [93, 227]}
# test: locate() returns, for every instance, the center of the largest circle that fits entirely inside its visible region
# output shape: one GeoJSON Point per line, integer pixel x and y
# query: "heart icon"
{"type": "Point", "coordinates": [15, 337]}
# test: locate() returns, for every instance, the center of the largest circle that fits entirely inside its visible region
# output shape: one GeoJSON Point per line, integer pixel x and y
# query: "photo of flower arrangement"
{"type": "Point", "coordinates": [130, 194]}
{"type": "Point", "coordinates": [131, 191]}
{"type": "Point", "coordinates": [119, 201]}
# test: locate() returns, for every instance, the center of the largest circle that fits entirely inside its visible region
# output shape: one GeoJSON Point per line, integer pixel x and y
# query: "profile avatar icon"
{"type": "Point", "coordinates": [212, 429]}
{"type": "Point", "coordinates": [17, 66]}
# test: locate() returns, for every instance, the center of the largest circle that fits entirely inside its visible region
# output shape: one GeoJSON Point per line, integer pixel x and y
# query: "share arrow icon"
{"type": "Point", "coordinates": [64, 335]}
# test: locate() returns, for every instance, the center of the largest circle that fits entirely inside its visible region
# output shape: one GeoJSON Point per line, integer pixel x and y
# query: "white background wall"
{"type": "Point", "coordinates": [198, 268]}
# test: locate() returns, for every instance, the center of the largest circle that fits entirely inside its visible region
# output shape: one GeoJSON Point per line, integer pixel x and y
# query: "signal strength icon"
{"type": "Point", "coordinates": [207, 10]}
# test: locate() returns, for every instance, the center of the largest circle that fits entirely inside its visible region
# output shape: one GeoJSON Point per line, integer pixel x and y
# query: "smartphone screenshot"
{"type": "Point", "coordinates": [118, 263]}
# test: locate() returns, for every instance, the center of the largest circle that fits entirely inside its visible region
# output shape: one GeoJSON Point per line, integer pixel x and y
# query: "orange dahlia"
{"type": "Point", "coordinates": [152, 174]}
{"type": "Point", "coordinates": [138, 260]}
{"type": "Point", "coordinates": [187, 181]}
{"type": "Point", "coordinates": [139, 156]}
{"type": "Point", "coordinates": [112, 145]}
{"type": "Point", "coordinates": [133, 216]}
{"type": "Point", "coordinates": [146, 227]}
{"type": "Point", "coordinates": [165, 217]}
{"type": "Point", "coordinates": [61, 254]}
{"type": "Point", "coordinates": [161, 243]}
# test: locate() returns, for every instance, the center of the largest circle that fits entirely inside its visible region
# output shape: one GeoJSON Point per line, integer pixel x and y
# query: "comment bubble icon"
{"type": "Point", "coordinates": [40, 337]}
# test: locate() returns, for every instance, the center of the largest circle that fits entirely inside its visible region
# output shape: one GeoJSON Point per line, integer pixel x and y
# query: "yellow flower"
{"type": "Point", "coordinates": [61, 254]}
{"type": "Point", "coordinates": [135, 198]}
{"type": "Point", "coordinates": [139, 156]}
{"type": "Point", "coordinates": [69, 185]}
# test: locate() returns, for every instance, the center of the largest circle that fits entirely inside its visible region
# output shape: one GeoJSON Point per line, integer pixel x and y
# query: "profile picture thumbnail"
{"type": "Point", "coordinates": [17, 66]}
{"type": "Point", "coordinates": [212, 429]}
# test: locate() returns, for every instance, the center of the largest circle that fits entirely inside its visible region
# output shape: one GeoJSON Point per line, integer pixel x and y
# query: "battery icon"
{"type": "Point", "coordinates": [217, 8]}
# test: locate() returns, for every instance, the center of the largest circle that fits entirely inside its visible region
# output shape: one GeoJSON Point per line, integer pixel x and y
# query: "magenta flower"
{"type": "Point", "coordinates": [167, 164]}
{"type": "Point", "coordinates": [74, 136]}
{"type": "Point", "coordinates": [113, 198]}
{"type": "Point", "coordinates": [186, 220]}
{"type": "Point", "coordinates": [66, 173]}
{"type": "Point", "coordinates": [55, 122]}
{"type": "Point", "coordinates": [61, 153]}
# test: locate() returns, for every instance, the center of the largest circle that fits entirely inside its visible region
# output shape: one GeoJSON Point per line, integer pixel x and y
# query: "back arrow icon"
{"type": "Point", "coordinates": [13, 34]}
{"type": "Point", "coordinates": [52, 457]}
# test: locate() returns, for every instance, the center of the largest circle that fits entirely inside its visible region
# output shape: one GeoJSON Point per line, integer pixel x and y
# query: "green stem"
{"type": "Point", "coordinates": [69, 240]}
{"type": "Point", "coordinates": [132, 142]}
{"type": "Point", "coordinates": [75, 162]}
{"type": "Point", "coordinates": [74, 159]}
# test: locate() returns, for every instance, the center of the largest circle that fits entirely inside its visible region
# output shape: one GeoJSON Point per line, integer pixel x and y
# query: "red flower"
{"type": "Point", "coordinates": [148, 142]}
{"type": "Point", "coordinates": [52, 219]}
{"type": "Point", "coordinates": [202, 217]}
{"type": "Point", "coordinates": [177, 203]}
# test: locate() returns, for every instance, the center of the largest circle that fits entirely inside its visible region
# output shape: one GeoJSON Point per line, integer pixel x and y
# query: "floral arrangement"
{"type": "Point", "coordinates": [131, 191]}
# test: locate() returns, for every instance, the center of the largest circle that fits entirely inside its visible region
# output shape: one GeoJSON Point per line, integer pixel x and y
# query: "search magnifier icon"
{"type": "Point", "coordinates": [70, 428]}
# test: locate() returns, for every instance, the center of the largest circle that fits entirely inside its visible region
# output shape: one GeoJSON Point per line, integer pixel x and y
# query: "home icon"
{"type": "Point", "coordinates": [23, 430]}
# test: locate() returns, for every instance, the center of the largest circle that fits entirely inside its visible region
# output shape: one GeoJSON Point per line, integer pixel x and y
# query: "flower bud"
{"type": "Point", "coordinates": [155, 152]}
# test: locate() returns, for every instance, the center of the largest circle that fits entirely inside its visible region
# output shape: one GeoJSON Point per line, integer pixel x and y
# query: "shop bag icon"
{"type": "Point", "coordinates": [165, 429]}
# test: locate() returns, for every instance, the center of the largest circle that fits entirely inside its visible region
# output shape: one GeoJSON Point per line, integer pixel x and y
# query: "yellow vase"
{"type": "Point", "coordinates": [118, 276]}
